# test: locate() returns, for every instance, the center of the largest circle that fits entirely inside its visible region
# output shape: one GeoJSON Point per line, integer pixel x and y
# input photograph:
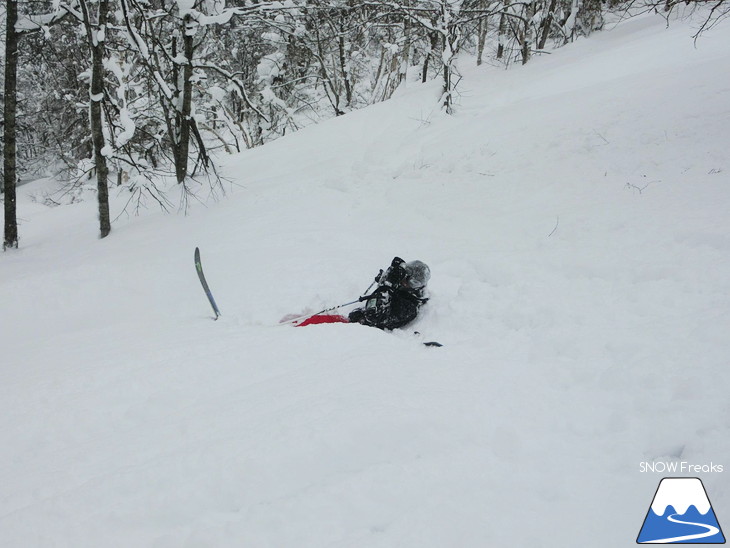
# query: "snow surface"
{"type": "Point", "coordinates": [574, 213]}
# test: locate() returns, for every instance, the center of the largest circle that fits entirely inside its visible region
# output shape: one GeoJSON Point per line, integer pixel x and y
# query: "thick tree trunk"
{"type": "Point", "coordinates": [343, 67]}
{"type": "Point", "coordinates": [185, 105]}
{"type": "Point", "coordinates": [96, 35]}
{"type": "Point", "coordinates": [9, 117]}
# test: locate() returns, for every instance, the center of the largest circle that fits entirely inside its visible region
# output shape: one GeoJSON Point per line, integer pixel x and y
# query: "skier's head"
{"type": "Point", "coordinates": [417, 275]}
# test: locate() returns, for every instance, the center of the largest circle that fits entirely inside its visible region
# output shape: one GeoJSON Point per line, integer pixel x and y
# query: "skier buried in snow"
{"type": "Point", "coordinates": [394, 303]}
{"type": "Point", "coordinates": [398, 297]}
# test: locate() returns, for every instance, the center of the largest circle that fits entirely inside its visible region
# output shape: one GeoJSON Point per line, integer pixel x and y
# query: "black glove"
{"type": "Point", "coordinates": [357, 316]}
{"type": "Point", "coordinates": [396, 273]}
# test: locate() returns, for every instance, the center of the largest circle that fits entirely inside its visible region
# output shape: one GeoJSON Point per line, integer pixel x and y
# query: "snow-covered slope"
{"type": "Point", "coordinates": [575, 217]}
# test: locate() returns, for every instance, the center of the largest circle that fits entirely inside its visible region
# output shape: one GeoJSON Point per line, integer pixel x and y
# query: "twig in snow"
{"type": "Point", "coordinates": [602, 137]}
{"type": "Point", "coordinates": [557, 222]}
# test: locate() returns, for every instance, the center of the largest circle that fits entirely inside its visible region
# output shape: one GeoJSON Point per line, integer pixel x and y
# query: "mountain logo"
{"type": "Point", "coordinates": [680, 513]}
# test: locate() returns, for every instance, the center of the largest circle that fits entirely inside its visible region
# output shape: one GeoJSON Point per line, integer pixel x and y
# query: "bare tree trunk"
{"type": "Point", "coordinates": [9, 118]}
{"type": "Point", "coordinates": [446, 60]}
{"type": "Point", "coordinates": [450, 48]}
{"type": "Point", "coordinates": [502, 31]}
{"type": "Point", "coordinates": [434, 38]}
{"type": "Point", "coordinates": [546, 24]}
{"type": "Point", "coordinates": [406, 62]}
{"type": "Point", "coordinates": [481, 38]}
{"type": "Point", "coordinates": [528, 36]}
{"type": "Point", "coordinates": [95, 35]}
{"type": "Point", "coordinates": [343, 67]}
{"type": "Point", "coordinates": [182, 150]}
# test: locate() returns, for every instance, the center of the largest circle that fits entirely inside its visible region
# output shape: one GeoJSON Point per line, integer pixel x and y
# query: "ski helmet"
{"type": "Point", "coordinates": [418, 274]}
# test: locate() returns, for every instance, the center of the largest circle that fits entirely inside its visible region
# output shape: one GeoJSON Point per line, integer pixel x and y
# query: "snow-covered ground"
{"type": "Point", "coordinates": [575, 214]}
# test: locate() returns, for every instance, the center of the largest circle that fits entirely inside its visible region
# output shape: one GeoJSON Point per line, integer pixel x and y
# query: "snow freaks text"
{"type": "Point", "coordinates": [682, 467]}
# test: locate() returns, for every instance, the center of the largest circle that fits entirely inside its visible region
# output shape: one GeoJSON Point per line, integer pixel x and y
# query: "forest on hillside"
{"type": "Point", "coordinates": [139, 94]}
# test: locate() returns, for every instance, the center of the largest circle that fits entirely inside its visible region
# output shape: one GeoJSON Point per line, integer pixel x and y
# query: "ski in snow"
{"type": "Point", "coordinates": [201, 276]}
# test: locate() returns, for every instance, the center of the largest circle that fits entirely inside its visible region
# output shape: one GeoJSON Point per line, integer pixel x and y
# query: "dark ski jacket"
{"type": "Point", "coordinates": [389, 307]}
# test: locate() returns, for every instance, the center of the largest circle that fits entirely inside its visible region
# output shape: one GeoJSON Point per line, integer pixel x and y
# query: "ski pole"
{"type": "Point", "coordinates": [377, 280]}
{"type": "Point", "coordinates": [305, 316]}
{"type": "Point", "coordinates": [360, 299]}
{"type": "Point", "coordinates": [364, 293]}
{"type": "Point", "coordinates": [335, 307]}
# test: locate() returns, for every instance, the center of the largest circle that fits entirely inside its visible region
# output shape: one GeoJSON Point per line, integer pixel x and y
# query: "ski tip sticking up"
{"type": "Point", "coordinates": [204, 283]}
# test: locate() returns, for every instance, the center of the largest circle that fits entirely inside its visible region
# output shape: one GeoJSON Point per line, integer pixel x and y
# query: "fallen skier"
{"type": "Point", "coordinates": [394, 303]}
